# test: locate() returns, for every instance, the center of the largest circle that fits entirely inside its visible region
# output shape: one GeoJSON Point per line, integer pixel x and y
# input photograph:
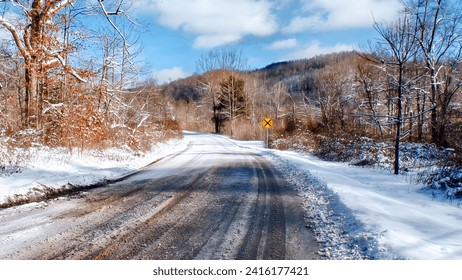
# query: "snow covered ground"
{"type": "Point", "coordinates": [375, 215]}
{"type": "Point", "coordinates": [49, 169]}
{"type": "Point", "coordinates": [357, 213]}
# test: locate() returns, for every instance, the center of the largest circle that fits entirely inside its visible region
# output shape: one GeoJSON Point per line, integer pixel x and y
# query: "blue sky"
{"type": "Point", "coordinates": [179, 32]}
{"type": "Point", "coordinates": [266, 31]}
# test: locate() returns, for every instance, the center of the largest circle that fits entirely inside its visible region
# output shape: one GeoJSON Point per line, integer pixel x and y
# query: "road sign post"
{"type": "Point", "coordinates": [267, 123]}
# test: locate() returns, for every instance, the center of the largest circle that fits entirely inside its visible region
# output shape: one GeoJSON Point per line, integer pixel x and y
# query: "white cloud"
{"type": "Point", "coordinates": [315, 48]}
{"type": "Point", "coordinates": [168, 75]}
{"type": "Point", "coordinates": [215, 22]}
{"type": "Point", "coordinates": [342, 14]}
{"type": "Point", "coordinates": [283, 44]}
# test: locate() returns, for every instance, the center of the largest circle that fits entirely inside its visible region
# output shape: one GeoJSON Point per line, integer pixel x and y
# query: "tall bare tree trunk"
{"type": "Point", "coordinates": [399, 118]}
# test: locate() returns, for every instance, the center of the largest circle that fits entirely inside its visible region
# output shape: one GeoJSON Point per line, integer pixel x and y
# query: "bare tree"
{"type": "Point", "coordinates": [398, 46]}
{"type": "Point", "coordinates": [370, 94]}
{"type": "Point", "coordinates": [439, 37]}
{"type": "Point", "coordinates": [215, 67]}
{"type": "Point", "coordinates": [332, 96]}
{"type": "Point", "coordinates": [232, 98]}
{"type": "Point", "coordinates": [37, 43]}
{"type": "Point", "coordinates": [46, 35]}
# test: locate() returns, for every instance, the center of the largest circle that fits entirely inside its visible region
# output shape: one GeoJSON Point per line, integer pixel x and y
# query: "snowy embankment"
{"type": "Point", "coordinates": [49, 171]}
{"type": "Point", "coordinates": [369, 213]}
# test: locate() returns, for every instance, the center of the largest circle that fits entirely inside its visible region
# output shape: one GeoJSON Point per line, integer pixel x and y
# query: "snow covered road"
{"type": "Point", "coordinates": [214, 200]}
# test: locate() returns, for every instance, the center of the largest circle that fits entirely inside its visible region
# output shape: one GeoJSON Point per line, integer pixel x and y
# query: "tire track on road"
{"type": "Point", "coordinates": [265, 238]}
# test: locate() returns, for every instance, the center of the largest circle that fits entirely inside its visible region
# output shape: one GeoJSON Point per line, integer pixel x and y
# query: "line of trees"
{"type": "Point", "coordinates": [418, 60]}
{"type": "Point", "coordinates": [66, 70]}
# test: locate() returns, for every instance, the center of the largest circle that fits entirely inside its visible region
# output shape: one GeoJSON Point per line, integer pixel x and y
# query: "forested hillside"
{"type": "Point", "coordinates": [338, 95]}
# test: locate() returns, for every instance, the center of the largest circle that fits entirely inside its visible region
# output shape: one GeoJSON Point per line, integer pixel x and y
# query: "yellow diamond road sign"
{"type": "Point", "coordinates": [267, 123]}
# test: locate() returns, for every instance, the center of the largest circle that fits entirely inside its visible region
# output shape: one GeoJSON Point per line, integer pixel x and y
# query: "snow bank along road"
{"type": "Point", "coordinates": [215, 200]}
